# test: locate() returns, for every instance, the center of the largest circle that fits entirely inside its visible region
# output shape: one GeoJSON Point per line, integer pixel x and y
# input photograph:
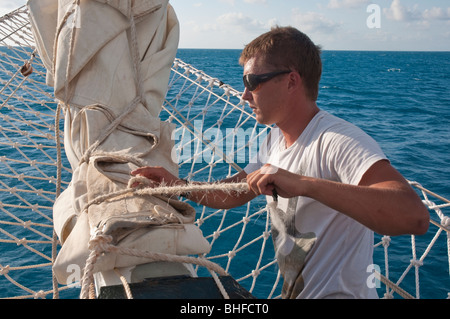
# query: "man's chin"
{"type": "Point", "coordinates": [258, 118]}
{"type": "Point", "coordinates": [262, 121]}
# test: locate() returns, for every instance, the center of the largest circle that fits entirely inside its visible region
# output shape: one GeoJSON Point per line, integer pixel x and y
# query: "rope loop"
{"type": "Point", "coordinates": [39, 295]}
{"type": "Point", "coordinates": [445, 222]}
{"type": "Point", "coordinates": [4, 270]}
{"type": "Point", "coordinates": [386, 240]}
{"type": "Point", "coordinates": [100, 242]}
{"type": "Point", "coordinates": [416, 262]}
{"type": "Point", "coordinates": [26, 69]}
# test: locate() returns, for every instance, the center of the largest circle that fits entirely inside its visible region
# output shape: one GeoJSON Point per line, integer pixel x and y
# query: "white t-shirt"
{"type": "Point", "coordinates": [333, 149]}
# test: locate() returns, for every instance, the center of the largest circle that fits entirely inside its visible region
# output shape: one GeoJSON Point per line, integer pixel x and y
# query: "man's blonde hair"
{"type": "Point", "coordinates": [288, 48]}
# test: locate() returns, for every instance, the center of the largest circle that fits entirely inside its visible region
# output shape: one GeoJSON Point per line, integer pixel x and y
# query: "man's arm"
{"type": "Point", "coordinates": [383, 201]}
{"type": "Point", "coordinates": [213, 199]}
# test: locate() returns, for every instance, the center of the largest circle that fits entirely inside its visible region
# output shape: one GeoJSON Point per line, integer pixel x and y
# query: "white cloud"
{"type": "Point", "coordinates": [313, 22]}
{"type": "Point", "coordinates": [13, 4]}
{"type": "Point", "coordinates": [399, 12]}
{"type": "Point", "coordinates": [256, 1]}
{"type": "Point", "coordinates": [436, 14]}
{"type": "Point", "coordinates": [6, 6]}
{"type": "Point", "coordinates": [238, 20]}
{"type": "Point", "coordinates": [230, 2]}
{"type": "Point", "coordinates": [339, 4]}
{"type": "Point", "coordinates": [206, 27]}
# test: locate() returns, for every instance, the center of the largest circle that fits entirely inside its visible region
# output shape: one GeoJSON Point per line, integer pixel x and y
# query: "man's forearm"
{"type": "Point", "coordinates": [222, 199]}
{"type": "Point", "coordinates": [388, 208]}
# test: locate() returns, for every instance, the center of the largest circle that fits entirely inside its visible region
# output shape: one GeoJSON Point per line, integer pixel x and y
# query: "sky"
{"type": "Point", "coordinates": [398, 25]}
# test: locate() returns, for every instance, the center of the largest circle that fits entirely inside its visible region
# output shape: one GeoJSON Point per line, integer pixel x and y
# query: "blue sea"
{"type": "Point", "coordinates": [401, 99]}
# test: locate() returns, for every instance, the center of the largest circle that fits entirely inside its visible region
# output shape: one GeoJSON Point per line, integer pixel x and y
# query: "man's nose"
{"type": "Point", "coordinates": [247, 95]}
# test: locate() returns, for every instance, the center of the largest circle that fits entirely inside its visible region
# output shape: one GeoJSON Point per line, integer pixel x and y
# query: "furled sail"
{"type": "Point", "coordinates": [109, 64]}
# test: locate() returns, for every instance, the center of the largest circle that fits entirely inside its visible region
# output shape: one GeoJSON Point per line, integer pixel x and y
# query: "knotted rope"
{"type": "Point", "coordinates": [101, 243]}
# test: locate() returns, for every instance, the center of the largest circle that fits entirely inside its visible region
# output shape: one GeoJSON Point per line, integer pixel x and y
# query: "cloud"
{"type": "Point", "coordinates": [339, 4]}
{"type": "Point", "coordinates": [436, 14]}
{"type": "Point", "coordinates": [233, 2]}
{"type": "Point", "coordinates": [256, 1]}
{"type": "Point", "coordinates": [7, 6]}
{"type": "Point", "coordinates": [238, 20]}
{"type": "Point", "coordinates": [229, 30]}
{"type": "Point", "coordinates": [232, 24]}
{"type": "Point", "coordinates": [13, 4]}
{"type": "Point", "coordinates": [206, 27]}
{"type": "Point", "coordinates": [399, 12]}
{"type": "Point", "coordinates": [230, 2]}
{"type": "Point", "coordinates": [313, 22]}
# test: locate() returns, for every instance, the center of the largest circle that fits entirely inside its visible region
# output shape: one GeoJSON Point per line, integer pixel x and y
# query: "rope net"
{"type": "Point", "coordinates": [216, 136]}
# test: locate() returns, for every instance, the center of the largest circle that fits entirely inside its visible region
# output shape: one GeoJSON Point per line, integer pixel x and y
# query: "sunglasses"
{"type": "Point", "coordinates": [252, 81]}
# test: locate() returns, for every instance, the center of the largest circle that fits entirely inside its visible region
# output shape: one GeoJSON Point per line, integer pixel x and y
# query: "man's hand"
{"type": "Point", "coordinates": [157, 175]}
{"type": "Point", "coordinates": [269, 177]}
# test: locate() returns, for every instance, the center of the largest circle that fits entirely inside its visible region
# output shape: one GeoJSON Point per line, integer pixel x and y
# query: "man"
{"type": "Point", "coordinates": [336, 186]}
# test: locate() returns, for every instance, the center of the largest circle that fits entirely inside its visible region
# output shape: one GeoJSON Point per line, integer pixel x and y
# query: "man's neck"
{"type": "Point", "coordinates": [297, 121]}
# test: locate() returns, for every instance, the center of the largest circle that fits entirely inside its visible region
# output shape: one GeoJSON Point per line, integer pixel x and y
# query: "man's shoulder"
{"type": "Point", "coordinates": [335, 127]}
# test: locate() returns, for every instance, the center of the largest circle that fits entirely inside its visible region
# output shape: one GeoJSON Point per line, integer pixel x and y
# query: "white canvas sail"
{"type": "Point", "coordinates": [109, 63]}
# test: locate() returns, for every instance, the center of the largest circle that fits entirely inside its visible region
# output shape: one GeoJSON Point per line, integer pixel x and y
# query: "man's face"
{"type": "Point", "coordinates": [267, 100]}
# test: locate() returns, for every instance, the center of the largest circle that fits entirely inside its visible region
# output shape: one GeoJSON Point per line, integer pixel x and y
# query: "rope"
{"type": "Point", "coordinates": [219, 285]}
{"type": "Point", "coordinates": [100, 243]}
{"type": "Point", "coordinates": [165, 190]}
{"type": "Point", "coordinates": [124, 283]}
{"type": "Point", "coordinates": [404, 294]}
{"type": "Point", "coordinates": [57, 193]}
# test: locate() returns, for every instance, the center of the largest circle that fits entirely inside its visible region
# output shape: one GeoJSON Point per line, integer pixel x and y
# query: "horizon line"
{"type": "Point", "coordinates": [324, 50]}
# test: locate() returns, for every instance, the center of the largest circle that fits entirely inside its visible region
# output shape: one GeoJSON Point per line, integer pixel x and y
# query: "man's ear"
{"type": "Point", "coordinates": [295, 81]}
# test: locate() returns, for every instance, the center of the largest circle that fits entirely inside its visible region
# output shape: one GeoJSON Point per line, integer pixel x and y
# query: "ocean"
{"type": "Point", "coordinates": [401, 99]}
